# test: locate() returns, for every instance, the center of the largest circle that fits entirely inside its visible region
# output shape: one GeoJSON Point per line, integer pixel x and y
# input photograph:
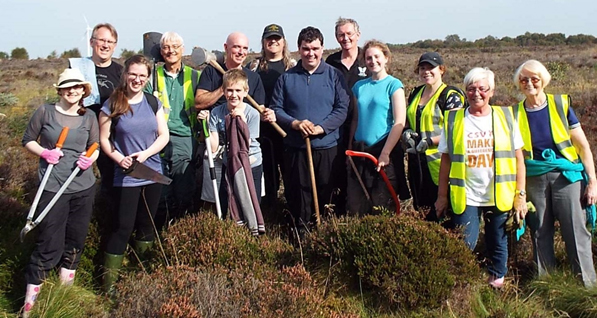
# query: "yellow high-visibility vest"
{"type": "Point", "coordinates": [191, 78]}
{"type": "Point", "coordinates": [503, 152]}
{"type": "Point", "coordinates": [557, 106]}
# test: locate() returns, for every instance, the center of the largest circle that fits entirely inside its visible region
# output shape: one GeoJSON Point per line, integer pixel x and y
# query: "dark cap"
{"type": "Point", "coordinates": [272, 29]}
{"type": "Point", "coordinates": [432, 58]}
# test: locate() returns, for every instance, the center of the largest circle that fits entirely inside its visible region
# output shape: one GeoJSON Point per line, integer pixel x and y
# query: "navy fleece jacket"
{"type": "Point", "coordinates": [321, 97]}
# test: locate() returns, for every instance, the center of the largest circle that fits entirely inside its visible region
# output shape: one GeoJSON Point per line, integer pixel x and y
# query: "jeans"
{"type": "Point", "coordinates": [496, 239]}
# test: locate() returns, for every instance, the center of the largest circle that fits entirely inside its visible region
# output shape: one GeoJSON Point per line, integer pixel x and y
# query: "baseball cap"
{"type": "Point", "coordinates": [272, 29]}
{"type": "Point", "coordinates": [432, 58]}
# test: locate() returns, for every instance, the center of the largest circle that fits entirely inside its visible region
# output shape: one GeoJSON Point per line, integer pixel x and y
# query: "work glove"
{"type": "Point", "coordinates": [424, 144]}
{"type": "Point", "coordinates": [84, 162]}
{"type": "Point", "coordinates": [52, 156]}
{"type": "Point", "coordinates": [408, 134]}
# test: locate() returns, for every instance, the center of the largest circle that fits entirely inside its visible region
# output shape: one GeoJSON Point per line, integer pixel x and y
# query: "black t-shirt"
{"type": "Point", "coordinates": [211, 79]}
{"type": "Point", "coordinates": [270, 76]}
{"type": "Point", "coordinates": [357, 71]}
{"type": "Point", "coordinates": [108, 78]}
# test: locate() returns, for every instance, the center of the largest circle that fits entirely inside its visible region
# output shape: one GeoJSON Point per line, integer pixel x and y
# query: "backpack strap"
{"type": "Point", "coordinates": [443, 96]}
{"type": "Point", "coordinates": [414, 93]}
{"type": "Point", "coordinates": [153, 102]}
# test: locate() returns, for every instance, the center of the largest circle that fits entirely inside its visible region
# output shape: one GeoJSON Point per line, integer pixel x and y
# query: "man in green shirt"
{"type": "Point", "coordinates": [176, 86]}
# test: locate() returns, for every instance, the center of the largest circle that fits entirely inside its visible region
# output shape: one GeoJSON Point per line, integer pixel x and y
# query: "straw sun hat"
{"type": "Point", "coordinates": [73, 77]}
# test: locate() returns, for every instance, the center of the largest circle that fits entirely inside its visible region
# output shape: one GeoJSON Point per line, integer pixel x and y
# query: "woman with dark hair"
{"type": "Point", "coordinates": [274, 61]}
{"type": "Point", "coordinates": [425, 119]}
{"type": "Point", "coordinates": [61, 235]}
{"type": "Point", "coordinates": [131, 129]}
{"type": "Point", "coordinates": [559, 160]}
{"type": "Point", "coordinates": [381, 115]}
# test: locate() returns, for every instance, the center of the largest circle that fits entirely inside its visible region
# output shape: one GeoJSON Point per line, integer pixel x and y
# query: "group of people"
{"type": "Point", "coordinates": [466, 158]}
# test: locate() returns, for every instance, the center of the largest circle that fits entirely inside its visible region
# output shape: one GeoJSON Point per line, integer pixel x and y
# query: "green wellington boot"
{"type": "Point", "coordinates": [112, 265]}
{"type": "Point", "coordinates": [142, 249]}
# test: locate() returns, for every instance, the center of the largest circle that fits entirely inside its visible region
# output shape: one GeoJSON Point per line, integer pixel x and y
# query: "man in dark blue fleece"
{"type": "Point", "coordinates": [310, 100]}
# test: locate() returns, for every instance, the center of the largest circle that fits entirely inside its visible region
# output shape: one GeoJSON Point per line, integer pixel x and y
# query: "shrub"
{"type": "Point", "coordinates": [19, 53]}
{"type": "Point", "coordinates": [3, 55]}
{"type": "Point", "coordinates": [8, 100]}
{"type": "Point", "coordinates": [71, 53]}
{"type": "Point", "coordinates": [204, 241]}
{"type": "Point", "coordinates": [401, 263]}
{"type": "Point", "coordinates": [182, 291]}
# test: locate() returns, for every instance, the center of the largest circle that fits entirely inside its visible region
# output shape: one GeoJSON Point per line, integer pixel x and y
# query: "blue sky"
{"type": "Point", "coordinates": [42, 26]}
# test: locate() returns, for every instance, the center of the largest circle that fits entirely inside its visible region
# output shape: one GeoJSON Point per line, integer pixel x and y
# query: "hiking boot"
{"type": "Point", "coordinates": [496, 282]}
{"type": "Point", "coordinates": [112, 265]}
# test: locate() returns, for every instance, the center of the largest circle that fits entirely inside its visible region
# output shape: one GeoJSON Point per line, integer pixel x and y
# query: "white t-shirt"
{"type": "Point", "coordinates": [478, 138]}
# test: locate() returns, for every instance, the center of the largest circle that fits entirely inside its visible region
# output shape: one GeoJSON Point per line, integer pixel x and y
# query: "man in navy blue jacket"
{"type": "Point", "coordinates": [310, 100]}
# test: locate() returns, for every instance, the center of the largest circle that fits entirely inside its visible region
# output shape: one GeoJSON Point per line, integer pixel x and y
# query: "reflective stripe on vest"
{"type": "Point", "coordinates": [504, 158]}
{"type": "Point", "coordinates": [190, 80]}
{"type": "Point", "coordinates": [432, 121]}
{"type": "Point", "coordinates": [557, 106]}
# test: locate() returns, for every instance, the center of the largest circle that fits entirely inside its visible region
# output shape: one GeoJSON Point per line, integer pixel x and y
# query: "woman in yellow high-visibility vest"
{"type": "Point", "coordinates": [558, 157]}
{"type": "Point", "coordinates": [483, 166]}
{"type": "Point", "coordinates": [425, 119]}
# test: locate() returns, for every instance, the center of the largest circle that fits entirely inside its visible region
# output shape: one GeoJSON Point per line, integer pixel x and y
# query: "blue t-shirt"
{"type": "Point", "coordinates": [541, 137]}
{"type": "Point", "coordinates": [217, 123]}
{"type": "Point", "coordinates": [374, 104]}
{"type": "Point", "coordinates": [134, 132]}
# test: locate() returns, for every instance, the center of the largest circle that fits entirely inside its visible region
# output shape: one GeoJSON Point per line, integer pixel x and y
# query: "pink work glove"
{"type": "Point", "coordinates": [84, 162]}
{"type": "Point", "coordinates": [52, 156]}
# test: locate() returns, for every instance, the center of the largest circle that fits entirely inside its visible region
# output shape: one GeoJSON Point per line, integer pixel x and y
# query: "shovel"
{"type": "Point", "coordinates": [151, 49]}
{"type": "Point", "coordinates": [200, 56]}
{"type": "Point", "coordinates": [212, 170]}
{"type": "Point", "coordinates": [141, 171]}
{"type": "Point", "coordinates": [381, 172]}
{"type": "Point", "coordinates": [31, 225]}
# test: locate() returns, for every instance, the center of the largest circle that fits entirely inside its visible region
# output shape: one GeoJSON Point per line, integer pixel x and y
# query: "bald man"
{"type": "Point", "coordinates": [209, 94]}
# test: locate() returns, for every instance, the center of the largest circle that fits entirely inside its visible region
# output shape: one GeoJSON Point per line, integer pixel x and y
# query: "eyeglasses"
{"type": "Point", "coordinates": [105, 41]}
{"type": "Point", "coordinates": [482, 90]}
{"type": "Point", "coordinates": [526, 80]}
{"type": "Point", "coordinates": [343, 35]}
{"type": "Point", "coordinates": [133, 76]}
{"type": "Point", "coordinates": [173, 47]}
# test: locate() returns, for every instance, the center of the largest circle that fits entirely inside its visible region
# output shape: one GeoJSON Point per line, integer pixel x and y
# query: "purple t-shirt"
{"type": "Point", "coordinates": [134, 132]}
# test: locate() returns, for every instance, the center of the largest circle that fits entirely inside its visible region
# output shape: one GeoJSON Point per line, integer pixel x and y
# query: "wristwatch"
{"type": "Point", "coordinates": [521, 193]}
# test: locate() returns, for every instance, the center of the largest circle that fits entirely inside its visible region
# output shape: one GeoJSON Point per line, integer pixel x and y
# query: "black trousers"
{"type": "Point", "coordinates": [136, 209]}
{"type": "Point", "coordinates": [272, 149]}
{"type": "Point", "coordinates": [297, 182]}
{"type": "Point", "coordinates": [421, 184]}
{"type": "Point", "coordinates": [61, 234]}
{"type": "Point", "coordinates": [356, 199]}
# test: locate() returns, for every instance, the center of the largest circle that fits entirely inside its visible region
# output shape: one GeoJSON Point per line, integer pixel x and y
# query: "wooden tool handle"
{"type": "Point", "coordinates": [253, 103]}
{"type": "Point", "coordinates": [62, 137]}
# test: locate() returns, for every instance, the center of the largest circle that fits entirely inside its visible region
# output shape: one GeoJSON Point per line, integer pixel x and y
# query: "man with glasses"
{"type": "Point", "coordinates": [104, 75]}
{"type": "Point", "coordinates": [350, 62]}
{"type": "Point", "coordinates": [176, 86]}
{"type": "Point", "coordinates": [210, 94]}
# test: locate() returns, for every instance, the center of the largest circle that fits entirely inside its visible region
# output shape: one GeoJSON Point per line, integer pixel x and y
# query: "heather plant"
{"type": "Point", "coordinates": [183, 291]}
{"type": "Point", "coordinates": [204, 241]}
{"type": "Point", "coordinates": [399, 263]}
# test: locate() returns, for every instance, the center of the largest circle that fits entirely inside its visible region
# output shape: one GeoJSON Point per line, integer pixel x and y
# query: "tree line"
{"type": "Point", "coordinates": [527, 39]}
{"type": "Point", "coordinates": [451, 41]}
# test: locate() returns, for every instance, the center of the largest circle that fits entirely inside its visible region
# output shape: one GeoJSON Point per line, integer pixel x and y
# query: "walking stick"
{"type": "Point", "coordinates": [381, 172]}
{"type": "Point", "coordinates": [212, 169]}
{"type": "Point", "coordinates": [313, 184]}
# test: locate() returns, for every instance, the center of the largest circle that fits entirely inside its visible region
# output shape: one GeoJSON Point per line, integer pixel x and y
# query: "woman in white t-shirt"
{"type": "Point", "coordinates": [483, 167]}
